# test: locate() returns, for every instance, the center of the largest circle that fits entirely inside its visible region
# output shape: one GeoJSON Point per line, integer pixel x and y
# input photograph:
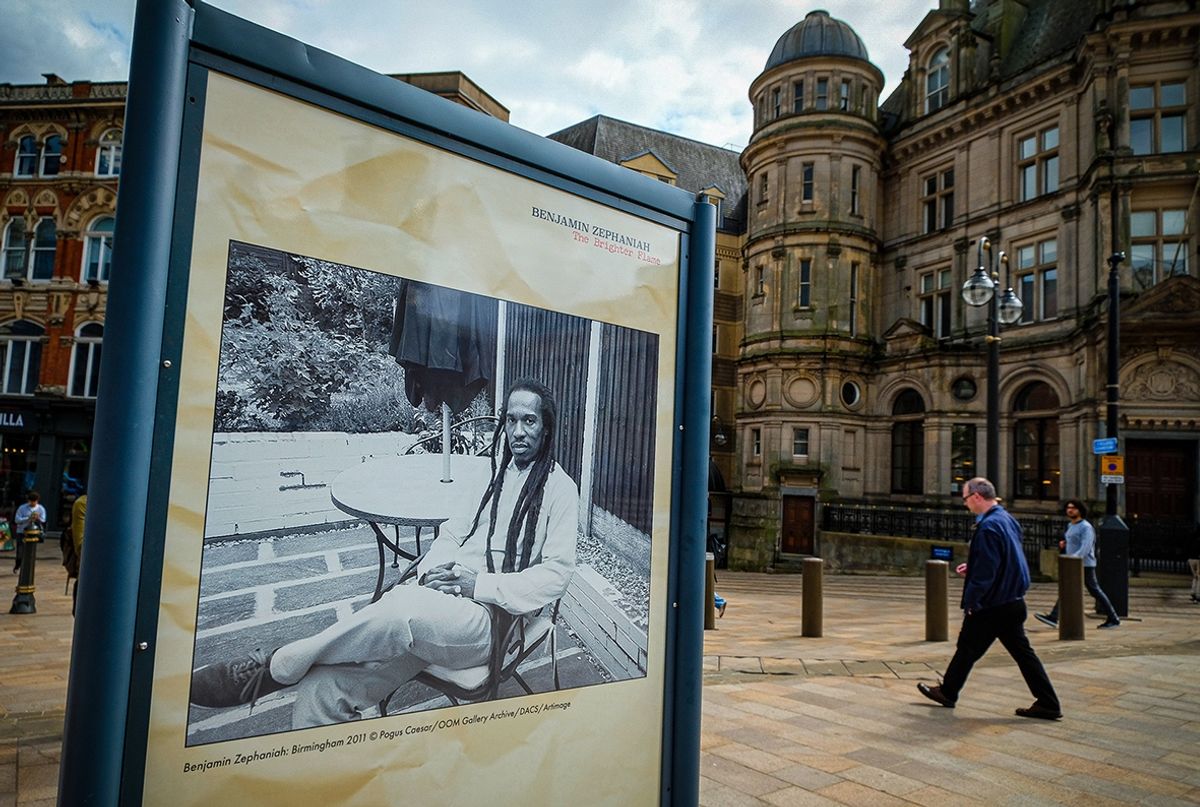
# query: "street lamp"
{"type": "Point", "coordinates": [980, 289]}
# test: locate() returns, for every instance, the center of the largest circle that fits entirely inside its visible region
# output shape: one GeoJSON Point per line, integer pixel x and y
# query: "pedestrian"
{"type": "Point", "coordinates": [1194, 565]}
{"type": "Point", "coordinates": [993, 603]}
{"type": "Point", "coordinates": [30, 513]}
{"type": "Point", "coordinates": [1080, 542]}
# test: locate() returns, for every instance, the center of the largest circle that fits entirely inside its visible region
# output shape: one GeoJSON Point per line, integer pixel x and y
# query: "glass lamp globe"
{"type": "Point", "coordinates": [978, 289]}
{"type": "Point", "coordinates": [1010, 307]}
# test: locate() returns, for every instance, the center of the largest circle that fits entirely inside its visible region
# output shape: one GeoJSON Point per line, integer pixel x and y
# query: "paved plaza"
{"type": "Point", "coordinates": [831, 720]}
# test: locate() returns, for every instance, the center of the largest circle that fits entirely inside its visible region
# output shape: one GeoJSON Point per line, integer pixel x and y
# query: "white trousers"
{"type": "Point", "coordinates": [358, 661]}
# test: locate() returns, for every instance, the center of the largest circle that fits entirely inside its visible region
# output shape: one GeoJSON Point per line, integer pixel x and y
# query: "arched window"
{"type": "Point", "coordinates": [97, 253]}
{"type": "Point", "coordinates": [1036, 468]}
{"type": "Point", "coordinates": [27, 157]}
{"type": "Point", "coordinates": [108, 154]}
{"type": "Point", "coordinates": [25, 258]}
{"type": "Point", "coordinates": [908, 442]}
{"type": "Point", "coordinates": [14, 248]}
{"type": "Point", "coordinates": [937, 81]}
{"type": "Point", "coordinates": [20, 357]}
{"type": "Point", "coordinates": [85, 360]}
{"type": "Point", "coordinates": [52, 156]}
{"type": "Point", "coordinates": [44, 244]}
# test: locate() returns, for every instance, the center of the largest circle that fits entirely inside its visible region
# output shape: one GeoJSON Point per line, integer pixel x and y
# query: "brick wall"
{"type": "Point", "coordinates": [264, 482]}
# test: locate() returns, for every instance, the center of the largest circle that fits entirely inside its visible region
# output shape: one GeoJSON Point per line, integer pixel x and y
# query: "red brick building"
{"type": "Point", "coordinates": [60, 159]}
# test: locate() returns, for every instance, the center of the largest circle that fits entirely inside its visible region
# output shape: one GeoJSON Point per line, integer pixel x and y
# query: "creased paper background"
{"type": "Point", "coordinates": [283, 174]}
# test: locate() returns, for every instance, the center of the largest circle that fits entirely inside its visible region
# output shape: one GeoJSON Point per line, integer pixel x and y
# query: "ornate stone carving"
{"type": "Point", "coordinates": [756, 392]}
{"type": "Point", "coordinates": [1163, 381]}
{"type": "Point", "coordinates": [20, 299]}
{"type": "Point", "coordinates": [801, 391]}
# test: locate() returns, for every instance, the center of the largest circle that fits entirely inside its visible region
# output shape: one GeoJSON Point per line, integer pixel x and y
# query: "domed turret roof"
{"type": "Point", "coordinates": [817, 34]}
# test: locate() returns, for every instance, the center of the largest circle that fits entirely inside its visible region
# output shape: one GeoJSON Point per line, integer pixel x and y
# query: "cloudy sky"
{"type": "Point", "coordinates": [679, 65]}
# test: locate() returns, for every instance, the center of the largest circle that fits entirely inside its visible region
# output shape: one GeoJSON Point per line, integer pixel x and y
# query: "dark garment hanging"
{"type": "Point", "coordinates": [446, 342]}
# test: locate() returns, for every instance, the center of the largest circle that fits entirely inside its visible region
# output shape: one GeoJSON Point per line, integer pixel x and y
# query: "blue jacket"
{"type": "Point", "coordinates": [996, 570]}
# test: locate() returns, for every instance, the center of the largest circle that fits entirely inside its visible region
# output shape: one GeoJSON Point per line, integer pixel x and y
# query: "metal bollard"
{"type": "Point", "coordinates": [811, 601]}
{"type": "Point", "coordinates": [1070, 597]}
{"type": "Point", "coordinates": [937, 619]}
{"type": "Point", "coordinates": [24, 602]}
{"type": "Point", "coordinates": [710, 589]}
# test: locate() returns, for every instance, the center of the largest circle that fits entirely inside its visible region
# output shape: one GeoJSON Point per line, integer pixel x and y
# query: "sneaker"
{"type": "Point", "coordinates": [1046, 619]}
{"type": "Point", "coordinates": [1040, 712]}
{"type": "Point", "coordinates": [935, 694]}
{"type": "Point", "coordinates": [233, 683]}
{"type": "Point", "coordinates": [1111, 624]}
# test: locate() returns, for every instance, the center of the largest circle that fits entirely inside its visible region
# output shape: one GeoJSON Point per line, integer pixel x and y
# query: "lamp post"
{"type": "Point", "coordinates": [1114, 534]}
{"type": "Point", "coordinates": [980, 289]}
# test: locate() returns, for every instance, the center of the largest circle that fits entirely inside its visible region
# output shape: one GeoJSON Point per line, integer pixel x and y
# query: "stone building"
{"type": "Point", "coordinates": [862, 371]}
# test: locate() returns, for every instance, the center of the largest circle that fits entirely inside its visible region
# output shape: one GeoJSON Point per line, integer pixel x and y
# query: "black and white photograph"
{"type": "Point", "coordinates": [418, 497]}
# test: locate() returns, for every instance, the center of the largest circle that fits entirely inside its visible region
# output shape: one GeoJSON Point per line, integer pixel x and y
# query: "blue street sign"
{"type": "Point", "coordinates": [1105, 445]}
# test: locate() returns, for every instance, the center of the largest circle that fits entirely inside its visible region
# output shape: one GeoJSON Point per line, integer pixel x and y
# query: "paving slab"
{"type": "Point", "coordinates": [793, 720]}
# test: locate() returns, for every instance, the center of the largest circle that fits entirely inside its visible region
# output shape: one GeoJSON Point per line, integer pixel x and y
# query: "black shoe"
{"type": "Point", "coordinates": [233, 683]}
{"type": "Point", "coordinates": [1112, 623]}
{"type": "Point", "coordinates": [1040, 712]}
{"type": "Point", "coordinates": [935, 694]}
{"type": "Point", "coordinates": [1047, 619]}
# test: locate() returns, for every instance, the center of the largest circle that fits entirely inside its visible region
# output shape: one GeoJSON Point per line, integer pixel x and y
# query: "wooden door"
{"type": "Point", "coordinates": [798, 522]}
{"type": "Point", "coordinates": [1160, 479]}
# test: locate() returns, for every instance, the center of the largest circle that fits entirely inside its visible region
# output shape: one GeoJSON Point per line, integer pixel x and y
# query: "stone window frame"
{"type": "Point", "coordinates": [937, 69]}
{"type": "Point", "coordinates": [937, 200]}
{"type": "Point", "coordinates": [1035, 271]}
{"type": "Point", "coordinates": [1168, 244]}
{"type": "Point", "coordinates": [1150, 116]}
{"type": "Point", "coordinates": [935, 301]}
{"type": "Point", "coordinates": [86, 355]}
{"type": "Point", "coordinates": [1037, 163]}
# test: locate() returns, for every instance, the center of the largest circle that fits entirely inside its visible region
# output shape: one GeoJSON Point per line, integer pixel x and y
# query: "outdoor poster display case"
{"type": "Point", "coordinates": [344, 313]}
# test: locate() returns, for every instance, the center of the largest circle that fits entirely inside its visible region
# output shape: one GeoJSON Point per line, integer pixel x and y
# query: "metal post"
{"type": "Point", "coordinates": [812, 598]}
{"type": "Point", "coordinates": [937, 617]}
{"type": "Point", "coordinates": [685, 690]}
{"type": "Point", "coordinates": [1113, 539]}
{"type": "Point", "coordinates": [1070, 597]}
{"type": "Point", "coordinates": [710, 590]}
{"type": "Point", "coordinates": [24, 602]}
{"type": "Point", "coordinates": [993, 388]}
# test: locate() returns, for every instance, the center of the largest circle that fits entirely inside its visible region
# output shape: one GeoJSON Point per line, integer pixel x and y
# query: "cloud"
{"type": "Point", "coordinates": [680, 65]}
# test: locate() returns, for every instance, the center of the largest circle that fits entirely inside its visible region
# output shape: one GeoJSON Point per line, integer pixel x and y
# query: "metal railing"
{"type": "Point", "coordinates": [1041, 532]}
{"type": "Point", "coordinates": [1154, 545]}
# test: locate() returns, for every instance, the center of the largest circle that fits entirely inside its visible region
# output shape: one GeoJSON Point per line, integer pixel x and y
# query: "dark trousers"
{"type": "Point", "coordinates": [1006, 623]}
{"type": "Point", "coordinates": [1093, 586]}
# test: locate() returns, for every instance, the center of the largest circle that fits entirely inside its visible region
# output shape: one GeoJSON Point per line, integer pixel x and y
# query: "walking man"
{"type": "Point", "coordinates": [993, 603]}
{"type": "Point", "coordinates": [517, 556]}
{"type": "Point", "coordinates": [1080, 542]}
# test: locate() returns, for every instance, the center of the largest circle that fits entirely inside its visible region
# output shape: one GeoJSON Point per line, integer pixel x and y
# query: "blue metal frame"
{"type": "Point", "coordinates": [118, 486]}
{"type": "Point", "coordinates": [175, 46]}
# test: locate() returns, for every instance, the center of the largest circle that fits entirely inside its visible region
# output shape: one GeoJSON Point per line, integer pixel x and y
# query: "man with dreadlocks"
{"type": "Point", "coordinates": [518, 555]}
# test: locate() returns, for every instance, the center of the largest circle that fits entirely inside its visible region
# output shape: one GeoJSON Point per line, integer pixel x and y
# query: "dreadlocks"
{"type": "Point", "coordinates": [529, 502]}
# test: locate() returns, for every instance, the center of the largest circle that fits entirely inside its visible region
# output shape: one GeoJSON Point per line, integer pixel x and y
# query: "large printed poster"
{"type": "Point", "coordinates": [418, 526]}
